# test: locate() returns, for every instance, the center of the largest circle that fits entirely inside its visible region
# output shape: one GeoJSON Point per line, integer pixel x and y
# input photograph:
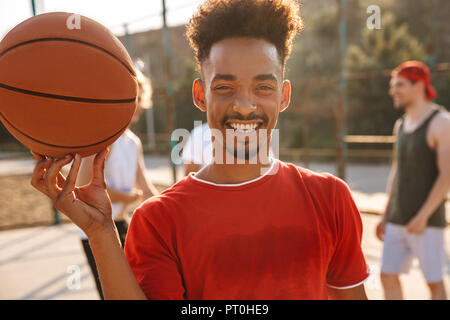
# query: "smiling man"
{"type": "Point", "coordinates": [240, 228]}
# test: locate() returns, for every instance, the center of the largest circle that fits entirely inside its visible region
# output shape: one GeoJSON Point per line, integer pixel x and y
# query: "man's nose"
{"type": "Point", "coordinates": [243, 105]}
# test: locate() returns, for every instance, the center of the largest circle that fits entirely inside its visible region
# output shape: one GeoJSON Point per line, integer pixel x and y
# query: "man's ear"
{"type": "Point", "coordinates": [198, 94]}
{"type": "Point", "coordinates": [285, 95]}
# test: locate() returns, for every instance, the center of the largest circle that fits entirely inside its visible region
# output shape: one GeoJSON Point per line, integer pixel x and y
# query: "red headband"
{"type": "Point", "coordinates": [416, 71]}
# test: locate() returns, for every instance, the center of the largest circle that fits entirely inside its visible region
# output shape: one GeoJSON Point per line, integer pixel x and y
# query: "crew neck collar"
{"type": "Point", "coordinates": [271, 171]}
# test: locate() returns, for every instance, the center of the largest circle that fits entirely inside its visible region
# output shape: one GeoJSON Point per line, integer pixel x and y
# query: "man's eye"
{"type": "Point", "coordinates": [265, 88]}
{"type": "Point", "coordinates": [222, 88]}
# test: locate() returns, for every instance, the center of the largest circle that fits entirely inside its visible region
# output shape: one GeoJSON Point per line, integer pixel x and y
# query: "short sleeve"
{"type": "Point", "coordinates": [152, 259]}
{"type": "Point", "coordinates": [348, 267]}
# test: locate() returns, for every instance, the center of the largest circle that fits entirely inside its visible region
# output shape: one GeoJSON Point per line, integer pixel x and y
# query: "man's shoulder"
{"type": "Point", "coordinates": [168, 200]}
{"type": "Point", "coordinates": [307, 173]}
{"type": "Point", "coordinates": [322, 188]}
{"type": "Point", "coordinates": [313, 180]}
{"type": "Point", "coordinates": [439, 126]}
{"type": "Point", "coordinates": [442, 118]}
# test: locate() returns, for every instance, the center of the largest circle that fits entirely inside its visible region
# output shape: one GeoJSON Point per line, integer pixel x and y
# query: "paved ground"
{"type": "Point", "coordinates": [45, 263]}
{"type": "Point", "coordinates": [367, 178]}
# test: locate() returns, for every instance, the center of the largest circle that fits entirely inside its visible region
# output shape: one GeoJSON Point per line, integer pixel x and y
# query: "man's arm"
{"type": "Point", "coordinates": [440, 131]}
{"type": "Point", "coordinates": [117, 278]}
{"type": "Point", "coordinates": [89, 207]}
{"type": "Point", "coordinates": [356, 293]}
{"type": "Point", "coordinates": [380, 230]}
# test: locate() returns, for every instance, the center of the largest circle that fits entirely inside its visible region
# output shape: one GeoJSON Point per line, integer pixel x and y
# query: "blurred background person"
{"type": "Point", "coordinates": [124, 174]}
{"type": "Point", "coordinates": [414, 220]}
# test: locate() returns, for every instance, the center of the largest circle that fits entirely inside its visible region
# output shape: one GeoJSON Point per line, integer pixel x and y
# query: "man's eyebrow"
{"type": "Point", "coordinates": [262, 77]}
{"type": "Point", "coordinates": [227, 77]}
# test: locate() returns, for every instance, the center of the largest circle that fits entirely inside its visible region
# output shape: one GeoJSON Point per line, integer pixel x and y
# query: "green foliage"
{"type": "Point", "coordinates": [314, 56]}
{"type": "Point", "coordinates": [370, 109]}
{"type": "Point", "coordinates": [411, 29]}
{"type": "Point", "coordinates": [384, 49]}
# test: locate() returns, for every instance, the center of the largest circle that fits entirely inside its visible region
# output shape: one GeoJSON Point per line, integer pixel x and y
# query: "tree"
{"type": "Point", "coordinates": [370, 109]}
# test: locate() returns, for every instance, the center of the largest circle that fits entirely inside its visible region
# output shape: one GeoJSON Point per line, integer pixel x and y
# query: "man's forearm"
{"type": "Point", "coordinates": [390, 193]}
{"type": "Point", "coordinates": [437, 194]}
{"type": "Point", "coordinates": [116, 276]}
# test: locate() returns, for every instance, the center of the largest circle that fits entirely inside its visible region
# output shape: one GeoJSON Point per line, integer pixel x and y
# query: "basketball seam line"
{"type": "Point", "coordinates": [70, 40]}
{"type": "Point", "coordinates": [56, 146]}
{"type": "Point", "coordinates": [61, 97]}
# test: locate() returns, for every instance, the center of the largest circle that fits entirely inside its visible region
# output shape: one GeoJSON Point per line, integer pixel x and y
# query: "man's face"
{"type": "Point", "coordinates": [404, 92]}
{"type": "Point", "coordinates": [242, 91]}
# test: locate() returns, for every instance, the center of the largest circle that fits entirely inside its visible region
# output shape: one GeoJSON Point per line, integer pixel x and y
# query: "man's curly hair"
{"type": "Point", "coordinates": [276, 21]}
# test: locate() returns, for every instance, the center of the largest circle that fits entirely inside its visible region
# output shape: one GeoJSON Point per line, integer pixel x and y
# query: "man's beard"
{"type": "Point", "coordinates": [402, 105]}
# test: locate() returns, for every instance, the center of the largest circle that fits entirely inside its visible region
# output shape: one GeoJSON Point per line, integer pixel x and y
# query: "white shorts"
{"type": "Point", "coordinates": [400, 247]}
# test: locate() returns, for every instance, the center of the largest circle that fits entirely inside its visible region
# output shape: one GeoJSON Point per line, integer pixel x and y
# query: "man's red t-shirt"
{"type": "Point", "coordinates": [285, 235]}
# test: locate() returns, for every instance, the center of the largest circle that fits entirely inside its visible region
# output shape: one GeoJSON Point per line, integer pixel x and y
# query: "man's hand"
{"type": "Point", "coordinates": [89, 206]}
{"type": "Point", "coordinates": [417, 225]}
{"type": "Point", "coordinates": [381, 229]}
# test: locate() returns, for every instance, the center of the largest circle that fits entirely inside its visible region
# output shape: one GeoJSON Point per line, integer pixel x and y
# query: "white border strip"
{"type": "Point", "coordinates": [192, 175]}
{"type": "Point", "coordinates": [353, 285]}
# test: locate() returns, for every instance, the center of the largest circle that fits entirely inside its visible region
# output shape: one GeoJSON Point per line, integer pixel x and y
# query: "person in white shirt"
{"type": "Point", "coordinates": [124, 174]}
{"type": "Point", "coordinates": [197, 151]}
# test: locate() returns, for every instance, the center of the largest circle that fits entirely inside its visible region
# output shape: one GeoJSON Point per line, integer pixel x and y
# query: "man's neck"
{"type": "Point", "coordinates": [416, 111]}
{"type": "Point", "coordinates": [232, 173]}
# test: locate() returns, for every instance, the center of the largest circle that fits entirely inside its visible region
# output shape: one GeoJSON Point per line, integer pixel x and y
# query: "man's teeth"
{"type": "Point", "coordinates": [242, 126]}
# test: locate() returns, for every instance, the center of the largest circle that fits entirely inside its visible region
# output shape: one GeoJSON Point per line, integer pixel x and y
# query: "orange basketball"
{"type": "Point", "coordinates": [67, 85]}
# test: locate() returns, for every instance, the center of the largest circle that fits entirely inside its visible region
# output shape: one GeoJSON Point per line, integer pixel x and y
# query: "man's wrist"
{"type": "Point", "coordinates": [104, 234]}
{"type": "Point", "coordinates": [422, 215]}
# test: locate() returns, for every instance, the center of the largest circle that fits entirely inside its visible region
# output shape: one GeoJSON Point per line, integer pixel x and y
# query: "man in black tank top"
{"type": "Point", "coordinates": [414, 220]}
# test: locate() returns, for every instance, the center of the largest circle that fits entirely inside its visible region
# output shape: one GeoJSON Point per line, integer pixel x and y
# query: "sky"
{"type": "Point", "coordinates": [140, 15]}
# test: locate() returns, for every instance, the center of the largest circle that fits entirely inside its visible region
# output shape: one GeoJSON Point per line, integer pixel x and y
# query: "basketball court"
{"type": "Point", "coordinates": [43, 263]}
{"type": "Point", "coordinates": [339, 121]}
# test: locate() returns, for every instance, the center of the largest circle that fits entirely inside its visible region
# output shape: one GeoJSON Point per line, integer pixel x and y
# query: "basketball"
{"type": "Point", "coordinates": [67, 85]}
